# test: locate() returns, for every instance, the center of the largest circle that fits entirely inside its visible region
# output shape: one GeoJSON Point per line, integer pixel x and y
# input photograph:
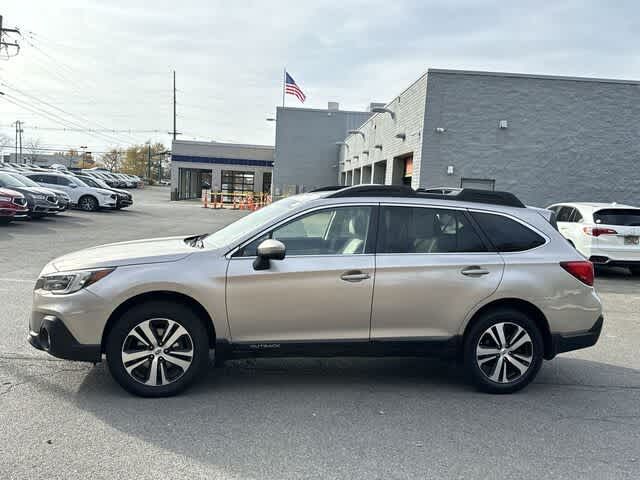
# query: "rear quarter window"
{"type": "Point", "coordinates": [629, 217]}
{"type": "Point", "coordinates": [507, 235]}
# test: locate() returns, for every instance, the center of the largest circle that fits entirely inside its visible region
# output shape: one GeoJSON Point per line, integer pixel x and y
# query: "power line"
{"type": "Point", "coordinates": [56, 118]}
{"type": "Point", "coordinates": [109, 130]}
{"type": "Point", "coordinates": [81, 119]}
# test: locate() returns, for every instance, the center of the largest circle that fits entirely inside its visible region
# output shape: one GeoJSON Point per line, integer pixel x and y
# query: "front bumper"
{"type": "Point", "coordinates": [567, 342]}
{"type": "Point", "coordinates": [55, 339]}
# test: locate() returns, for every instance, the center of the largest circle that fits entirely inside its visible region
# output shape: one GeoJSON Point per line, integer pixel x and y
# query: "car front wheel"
{"type": "Point", "coordinates": [503, 351]}
{"type": "Point", "coordinates": [157, 349]}
{"type": "Point", "coordinates": [88, 203]}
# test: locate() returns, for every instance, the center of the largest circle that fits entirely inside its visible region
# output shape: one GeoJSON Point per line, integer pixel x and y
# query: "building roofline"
{"type": "Point", "coordinates": [532, 76]}
{"type": "Point", "coordinates": [305, 109]}
{"type": "Point", "coordinates": [386, 105]}
{"type": "Point", "coordinates": [222, 144]}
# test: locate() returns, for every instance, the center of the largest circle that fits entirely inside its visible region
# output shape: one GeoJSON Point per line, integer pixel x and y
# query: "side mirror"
{"type": "Point", "coordinates": [268, 250]}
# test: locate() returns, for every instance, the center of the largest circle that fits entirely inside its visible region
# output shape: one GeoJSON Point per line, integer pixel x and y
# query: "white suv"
{"type": "Point", "coordinates": [83, 196]}
{"type": "Point", "coordinates": [605, 233]}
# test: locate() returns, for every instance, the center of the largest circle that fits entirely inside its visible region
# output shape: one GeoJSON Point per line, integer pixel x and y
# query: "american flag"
{"type": "Point", "coordinates": [292, 88]}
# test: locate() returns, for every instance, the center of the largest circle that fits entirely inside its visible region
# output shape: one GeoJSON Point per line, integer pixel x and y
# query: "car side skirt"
{"type": "Point", "coordinates": [447, 347]}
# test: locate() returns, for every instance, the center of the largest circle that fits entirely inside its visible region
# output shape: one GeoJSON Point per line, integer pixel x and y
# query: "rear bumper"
{"type": "Point", "coordinates": [55, 339]}
{"type": "Point", "coordinates": [567, 342]}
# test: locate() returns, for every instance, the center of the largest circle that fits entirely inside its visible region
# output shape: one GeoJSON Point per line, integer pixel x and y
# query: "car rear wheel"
{"type": "Point", "coordinates": [157, 349]}
{"type": "Point", "coordinates": [503, 351]}
{"type": "Point", "coordinates": [88, 203]}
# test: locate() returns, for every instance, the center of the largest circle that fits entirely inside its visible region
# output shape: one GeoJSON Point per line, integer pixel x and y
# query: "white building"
{"type": "Point", "coordinates": [227, 167]}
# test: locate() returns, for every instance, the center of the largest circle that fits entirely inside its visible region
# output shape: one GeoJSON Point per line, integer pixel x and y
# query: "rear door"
{"type": "Point", "coordinates": [622, 242]}
{"type": "Point", "coordinates": [432, 268]}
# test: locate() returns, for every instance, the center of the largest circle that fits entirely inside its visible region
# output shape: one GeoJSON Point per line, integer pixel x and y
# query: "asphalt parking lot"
{"type": "Point", "coordinates": [338, 418]}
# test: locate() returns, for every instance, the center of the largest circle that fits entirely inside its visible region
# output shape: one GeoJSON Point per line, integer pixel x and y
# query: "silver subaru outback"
{"type": "Point", "coordinates": [367, 270]}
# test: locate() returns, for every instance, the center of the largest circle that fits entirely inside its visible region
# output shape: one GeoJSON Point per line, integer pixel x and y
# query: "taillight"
{"type": "Point", "coordinates": [597, 231]}
{"type": "Point", "coordinates": [581, 269]}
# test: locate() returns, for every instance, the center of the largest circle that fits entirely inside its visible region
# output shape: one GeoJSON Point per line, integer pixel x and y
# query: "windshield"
{"type": "Point", "coordinates": [101, 183]}
{"type": "Point", "coordinates": [89, 181]}
{"type": "Point", "coordinates": [629, 217]}
{"type": "Point", "coordinates": [253, 221]}
{"type": "Point", "coordinates": [9, 181]}
{"type": "Point", "coordinates": [25, 180]}
{"type": "Point", "coordinates": [77, 181]}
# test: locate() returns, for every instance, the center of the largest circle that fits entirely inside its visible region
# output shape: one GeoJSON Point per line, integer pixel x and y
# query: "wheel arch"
{"type": "Point", "coordinates": [161, 295]}
{"type": "Point", "coordinates": [90, 195]}
{"type": "Point", "coordinates": [525, 307]}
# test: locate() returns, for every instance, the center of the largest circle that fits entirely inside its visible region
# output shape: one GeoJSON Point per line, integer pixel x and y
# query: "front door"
{"type": "Point", "coordinates": [432, 268]}
{"type": "Point", "coordinates": [321, 291]}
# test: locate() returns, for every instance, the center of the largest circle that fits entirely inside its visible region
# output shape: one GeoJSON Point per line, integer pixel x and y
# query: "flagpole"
{"type": "Point", "coordinates": [284, 83]}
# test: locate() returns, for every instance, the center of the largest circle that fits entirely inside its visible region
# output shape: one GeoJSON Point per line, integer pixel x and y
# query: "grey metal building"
{"type": "Point", "coordinates": [308, 145]}
{"type": "Point", "coordinates": [545, 138]}
{"type": "Point", "coordinates": [227, 167]}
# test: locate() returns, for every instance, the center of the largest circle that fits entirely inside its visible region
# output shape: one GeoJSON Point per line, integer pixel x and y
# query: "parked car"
{"type": "Point", "coordinates": [13, 205]}
{"type": "Point", "coordinates": [605, 233]}
{"type": "Point", "coordinates": [124, 198]}
{"type": "Point", "coordinates": [84, 197]}
{"type": "Point", "coordinates": [476, 277]}
{"type": "Point", "coordinates": [64, 201]}
{"type": "Point", "coordinates": [40, 201]}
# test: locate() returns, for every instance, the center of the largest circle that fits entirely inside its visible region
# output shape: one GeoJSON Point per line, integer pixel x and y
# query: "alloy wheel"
{"type": "Point", "coordinates": [87, 204]}
{"type": "Point", "coordinates": [157, 352]}
{"type": "Point", "coordinates": [504, 352]}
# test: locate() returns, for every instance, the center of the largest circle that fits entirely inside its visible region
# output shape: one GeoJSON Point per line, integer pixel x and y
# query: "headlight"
{"type": "Point", "coordinates": [64, 283]}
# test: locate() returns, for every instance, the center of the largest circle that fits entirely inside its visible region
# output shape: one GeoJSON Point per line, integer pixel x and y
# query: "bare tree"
{"type": "Point", "coordinates": [33, 147]}
{"type": "Point", "coordinates": [4, 142]}
{"type": "Point", "coordinates": [111, 160]}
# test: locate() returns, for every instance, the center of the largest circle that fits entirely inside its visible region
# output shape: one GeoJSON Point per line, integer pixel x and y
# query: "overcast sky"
{"type": "Point", "coordinates": [101, 64]}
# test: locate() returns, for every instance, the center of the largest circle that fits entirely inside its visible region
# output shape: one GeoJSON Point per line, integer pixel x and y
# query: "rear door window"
{"type": "Point", "coordinates": [506, 234]}
{"type": "Point", "coordinates": [426, 230]}
{"type": "Point", "coordinates": [629, 217]}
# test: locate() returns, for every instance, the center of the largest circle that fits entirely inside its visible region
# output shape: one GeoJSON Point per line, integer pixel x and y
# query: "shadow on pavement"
{"type": "Point", "coordinates": [260, 418]}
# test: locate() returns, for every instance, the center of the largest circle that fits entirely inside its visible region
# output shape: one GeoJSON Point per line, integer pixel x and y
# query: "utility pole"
{"type": "Point", "coordinates": [174, 132]}
{"type": "Point", "coordinates": [149, 163]}
{"type": "Point", "coordinates": [6, 45]}
{"type": "Point", "coordinates": [18, 141]}
{"type": "Point", "coordinates": [20, 133]}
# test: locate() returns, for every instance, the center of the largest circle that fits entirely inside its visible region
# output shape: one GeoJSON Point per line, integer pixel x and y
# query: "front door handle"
{"type": "Point", "coordinates": [354, 276]}
{"type": "Point", "coordinates": [474, 271]}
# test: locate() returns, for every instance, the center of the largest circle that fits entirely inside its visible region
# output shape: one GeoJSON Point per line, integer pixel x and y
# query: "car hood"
{"type": "Point", "coordinates": [137, 252]}
{"type": "Point", "coordinates": [36, 190]}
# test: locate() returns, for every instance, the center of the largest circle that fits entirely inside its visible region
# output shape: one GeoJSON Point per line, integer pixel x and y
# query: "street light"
{"type": "Point", "coordinates": [356, 132]}
{"type": "Point", "coordinates": [384, 110]}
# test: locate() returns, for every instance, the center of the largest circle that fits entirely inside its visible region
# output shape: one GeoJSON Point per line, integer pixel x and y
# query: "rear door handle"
{"type": "Point", "coordinates": [354, 276]}
{"type": "Point", "coordinates": [474, 271]}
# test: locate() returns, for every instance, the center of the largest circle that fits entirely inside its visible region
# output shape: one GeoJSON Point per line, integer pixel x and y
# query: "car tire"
{"type": "Point", "coordinates": [489, 357]}
{"type": "Point", "coordinates": [635, 271]}
{"type": "Point", "coordinates": [124, 341]}
{"type": "Point", "coordinates": [88, 203]}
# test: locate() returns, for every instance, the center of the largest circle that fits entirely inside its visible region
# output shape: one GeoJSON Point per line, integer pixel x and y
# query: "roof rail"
{"type": "Point", "coordinates": [328, 188]}
{"type": "Point", "coordinates": [374, 191]}
{"type": "Point", "coordinates": [461, 195]}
